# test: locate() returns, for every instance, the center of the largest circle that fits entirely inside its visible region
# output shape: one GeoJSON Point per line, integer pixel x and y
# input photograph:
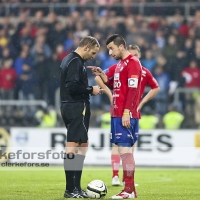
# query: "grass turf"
{"type": "Point", "coordinates": [49, 183]}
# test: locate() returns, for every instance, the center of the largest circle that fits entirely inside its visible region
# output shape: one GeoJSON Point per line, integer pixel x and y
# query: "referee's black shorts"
{"type": "Point", "coordinates": [76, 117]}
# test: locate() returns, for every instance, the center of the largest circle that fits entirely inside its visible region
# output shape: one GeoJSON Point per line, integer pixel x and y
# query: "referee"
{"type": "Point", "coordinates": [75, 111]}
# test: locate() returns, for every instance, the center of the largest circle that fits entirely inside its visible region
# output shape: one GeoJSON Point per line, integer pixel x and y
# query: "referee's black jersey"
{"type": "Point", "coordinates": [73, 79]}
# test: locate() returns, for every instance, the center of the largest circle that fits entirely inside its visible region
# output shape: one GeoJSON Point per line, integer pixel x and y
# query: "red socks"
{"type": "Point", "coordinates": [128, 164]}
{"type": "Point", "coordinates": [115, 159]}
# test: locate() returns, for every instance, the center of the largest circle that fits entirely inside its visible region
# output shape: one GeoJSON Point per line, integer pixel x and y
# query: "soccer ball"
{"type": "Point", "coordinates": [96, 189]}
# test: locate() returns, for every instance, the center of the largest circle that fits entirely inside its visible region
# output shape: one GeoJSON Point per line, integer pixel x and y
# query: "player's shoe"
{"type": "Point", "coordinates": [75, 194]}
{"type": "Point", "coordinates": [115, 181]}
{"type": "Point", "coordinates": [124, 195]}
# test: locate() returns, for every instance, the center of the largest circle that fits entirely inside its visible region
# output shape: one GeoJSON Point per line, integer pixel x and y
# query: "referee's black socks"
{"type": "Point", "coordinates": [69, 166]}
{"type": "Point", "coordinates": [79, 160]}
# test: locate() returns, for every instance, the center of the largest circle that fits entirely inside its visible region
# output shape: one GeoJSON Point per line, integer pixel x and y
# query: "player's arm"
{"type": "Point", "coordinates": [97, 71]}
{"type": "Point", "coordinates": [107, 77]}
{"type": "Point", "coordinates": [134, 74]}
{"type": "Point", "coordinates": [151, 81]}
{"type": "Point", "coordinates": [151, 94]}
{"type": "Point", "coordinates": [100, 82]}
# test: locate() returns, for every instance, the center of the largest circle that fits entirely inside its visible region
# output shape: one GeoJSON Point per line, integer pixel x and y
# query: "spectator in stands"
{"type": "Point", "coordinates": [192, 75]}
{"type": "Point", "coordinates": [149, 61]}
{"type": "Point", "coordinates": [90, 20]}
{"type": "Point", "coordinates": [53, 78]}
{"type": "Point", "coordinates": [154, 23]}
{"type": "Point", "coordinates": [3, 38]}
{"type": "Point", "coordinates": [41, 69]}
{"type": "Point", "coordinates": [169, 51]}
{"type": "Point", "coordinates": [148, 119]}
{"type": "Point", "coordinates": [51, 21]}
{"type": "Point", "coordinates": [6, 25]}
{"type": "Point", "coordinates": [23, 17]}
{"type": "Point", "coordinates": [61, 53]}
{"type": "Point", "coordinates": [23, 58]}
{"type": "Point", "coordinates": [161, 99]}
{"type": "Point", "coordinates": [39, 16]}
{"type": "Point", "coordinates": [58, 35]}
{"type": "Point", "coordinates": [105, 120]}
{"type": "Point", "coordinates": [7, 80]}
{"type": "Point", "coordinates": [40, 47]}
{"type": "Point", "coordinates": [4, 55]}
{"type": "Point", "coordinates": [81, 30]}
{"type": "Point", "coordinates": [175, 66]}
{"type": "Point", "coordinates": [69, 42]}
{"type": "Point", "coordinates": [173, 119]}
{"type": "Point", "coordinates": [184, 29]}
{"type": "Point", "coordinates": [46, 117]}
{"type": "Point", "coordinates": [26, 37]}
{"type": "Point", "coordinates": [188, 48]}
{"type": "Point", "coordinates": [26, 81]}
{"type": "Point", "coordinates": [160, 39]}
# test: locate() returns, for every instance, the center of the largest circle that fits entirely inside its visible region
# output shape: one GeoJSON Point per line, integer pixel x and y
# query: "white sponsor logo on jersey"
{"type": "Point", "coordinates": [117, 84]}
{"type": "Point", "coordinates": [116, 76]}
{"type": "Point", "coordinates": [115, 95]}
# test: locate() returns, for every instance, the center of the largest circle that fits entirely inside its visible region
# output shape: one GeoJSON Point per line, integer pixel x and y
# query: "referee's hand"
{"type": "Point", "coordinates": [97, 90]}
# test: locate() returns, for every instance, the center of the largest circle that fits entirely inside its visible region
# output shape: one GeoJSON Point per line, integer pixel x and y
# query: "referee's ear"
{"type": "Point", "coordinates": [85, 48]}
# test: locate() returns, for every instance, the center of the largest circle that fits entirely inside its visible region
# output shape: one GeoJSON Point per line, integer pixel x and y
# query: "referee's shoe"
{"type": "Point", "coordinates": [76, 194]}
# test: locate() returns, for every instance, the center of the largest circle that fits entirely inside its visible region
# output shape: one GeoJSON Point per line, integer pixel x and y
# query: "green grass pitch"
{"type": "Point", "coordinates": [49, 183]}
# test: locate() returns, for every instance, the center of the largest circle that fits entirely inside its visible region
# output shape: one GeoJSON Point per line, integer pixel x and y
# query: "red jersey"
{"type": "Point", "coordinates": [125, 79]}
{"type": "Point", "coordinates": [7, 78]}
{"type": "Point", "coordinates": [192, 77]}
{"type": "Point", "coordinates": [147, 79]}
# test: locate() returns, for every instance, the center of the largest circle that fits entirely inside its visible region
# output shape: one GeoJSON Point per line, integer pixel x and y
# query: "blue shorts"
{"type": "Point", "coordinates": [122, 135]}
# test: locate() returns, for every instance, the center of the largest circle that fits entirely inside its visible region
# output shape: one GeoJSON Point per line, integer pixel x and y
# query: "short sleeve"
{"type": "Point", "coordinates": [151, 81]}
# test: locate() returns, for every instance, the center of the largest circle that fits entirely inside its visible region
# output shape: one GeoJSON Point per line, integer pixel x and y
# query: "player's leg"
{"type": "Point", "coordinates": [125, 141]}
{"type": "Point", "coordinates": [115, 161]}
{"type": "Point", "coordinates": [135, 140]}
{"type": "Point", "coordinates": [115, 157]}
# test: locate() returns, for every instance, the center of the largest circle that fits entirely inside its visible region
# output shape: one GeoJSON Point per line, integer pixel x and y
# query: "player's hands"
{"type": "Point", "coordinates": [126, 121]}
{"type": "Point", "coordinates": [97, 90]}
{"type": "Point", "coordinates": [95, 70]}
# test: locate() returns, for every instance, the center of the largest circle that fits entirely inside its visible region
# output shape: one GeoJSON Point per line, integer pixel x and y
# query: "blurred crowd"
{"type": "Point", "coordinates": [32, 48]}
{"type": "Point", "coordinates": [65, 7]}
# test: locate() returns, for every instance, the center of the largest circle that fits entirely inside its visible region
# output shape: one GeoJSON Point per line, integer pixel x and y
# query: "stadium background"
{"type": "Point", "coordinates": [34, 38]}
{"type": "Point", "coordinates": [36, 35]}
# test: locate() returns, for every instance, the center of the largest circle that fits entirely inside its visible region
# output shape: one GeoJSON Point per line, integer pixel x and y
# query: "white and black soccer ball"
{"type": "Point", "coordinates": [96, 189]}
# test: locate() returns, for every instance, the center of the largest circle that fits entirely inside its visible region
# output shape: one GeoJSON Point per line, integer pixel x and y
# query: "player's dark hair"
{"type": "Point", "coordinates": [133, 47]}
{"type": "Point", "coordinates": [90, 41]}
{"type": "Point", "coordinates": [117, 40]}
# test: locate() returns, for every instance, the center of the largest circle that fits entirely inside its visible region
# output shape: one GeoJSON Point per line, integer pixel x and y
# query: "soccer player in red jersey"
{"type": "Point", "coordinates": [124, 79]}
{"type": "Point", "coordinates": [147, 79]}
